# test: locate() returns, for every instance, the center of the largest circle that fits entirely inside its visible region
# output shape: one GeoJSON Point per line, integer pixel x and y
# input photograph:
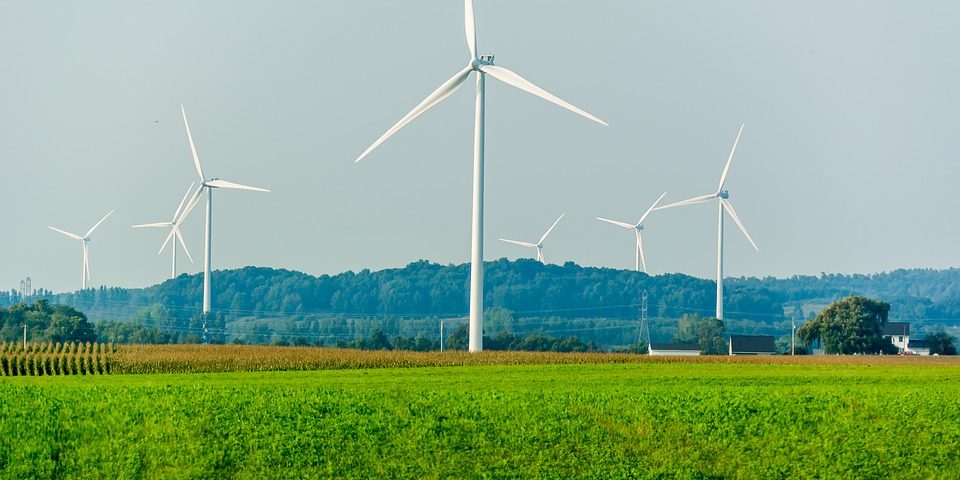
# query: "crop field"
{"type": "Point", "coordinates": [502, 415]}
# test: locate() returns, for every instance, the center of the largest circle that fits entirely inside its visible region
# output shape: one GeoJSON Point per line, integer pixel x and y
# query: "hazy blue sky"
{"type": "Point", "coordinates": [849, 161]}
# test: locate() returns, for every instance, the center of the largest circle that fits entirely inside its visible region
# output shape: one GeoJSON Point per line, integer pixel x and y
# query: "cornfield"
{"type": "Point", "coordinates": [48, 358]}
{"type": "Point", "coordinates": [235, 358]}
{"type": "Point", "coordinates": [100, 359]}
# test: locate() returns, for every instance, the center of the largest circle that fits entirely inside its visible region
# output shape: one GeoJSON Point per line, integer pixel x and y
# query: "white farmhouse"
{"type": "Point", "coordinates": [899, 334]}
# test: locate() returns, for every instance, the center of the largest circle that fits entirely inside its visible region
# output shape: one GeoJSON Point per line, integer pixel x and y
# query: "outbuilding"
{"type": "Point", "coordinates": [919, 346]}
{"type": "Point", "coordinates": [674, 349]}
{"type": "Point", "coordinates": [752, 345]}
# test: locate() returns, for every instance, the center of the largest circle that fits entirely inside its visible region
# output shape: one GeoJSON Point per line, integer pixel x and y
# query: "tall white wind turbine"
{"type": "Point", "coordinates": [637, 227]}
{"type": "Point", "coordinates": [174, 226]}
{"type": "Point", "coordinates": [84, 241]}
{"type": "Point", "coordinates": [539, 244]}
{"type": "Point", "coordinates": [207, 185]}
{"type": "Point", "coordinates": [483, 65]}
{"type": "Point", "coordinates": [723, 203]}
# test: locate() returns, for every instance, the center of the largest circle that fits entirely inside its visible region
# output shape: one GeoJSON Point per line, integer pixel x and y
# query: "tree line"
{"type": "Point", "coordinates": [264, 305]}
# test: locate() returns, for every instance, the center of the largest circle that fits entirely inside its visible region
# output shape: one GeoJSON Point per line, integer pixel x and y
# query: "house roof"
{"type": "Point", "coordinates": [896, 328]}
{"type": "Point", "coordinates": [675, 346]}
{"type": "Point", "coordinates": [752, 344]}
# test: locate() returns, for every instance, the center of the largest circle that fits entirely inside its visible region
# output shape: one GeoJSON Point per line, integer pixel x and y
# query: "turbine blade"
{"type": "Point", "coordinates": [645, 214]}
{"type": "Point", "coordinates": [71, 235]}
{"type": "Point", "coordinates": [643, 261]}
{"type": "Point", "coordinates": [470, 28]}
{"type": "Point", "coordinates": [522, 244]}
{"type": "Point", "coordinates": [689, 201]}
{"type": "Point", "coordinates": [235, 186]}
{"type": "Point", "coordinates": [183, 243]}
{"type": "Point", "coordinates": [170, 235]}
{"type": "Point", "coordinates": [511, 78]}
{"type": "Point", "coordinates": [729, 208]}
{"type": "Point", "coordinates": [192, 203]}
{"type": "Point", "coordinates": [616, 222]}
{"type": "Point", "coordinates": [193, 148]}
{"type": "Point", "coordinates": [434, 98]}
{"type": "Point", "coordinates": [98, 223]}
{"type": "Point", "coordinates": [540, 257]}
{"type": "Point", "coordinates": [544, 237]}
{"type": "Point", "coordinates": [153, 225]}
{"type": "Point", "coordinates": [182, 202]}
{"type": "Point", "coordinates": [726, 168]}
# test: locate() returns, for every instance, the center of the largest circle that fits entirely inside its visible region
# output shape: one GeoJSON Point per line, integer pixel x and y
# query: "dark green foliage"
{"type": "Point", "coordinates": [45, 323]}
{"type": "Point", "coordinates": [942, 343]}
{"type": "Point", "coordinates": [707, 332]}
{"type": "Point", "coordinates": [131, 333]}
{"type": "Point", "coordinates": [640, 348]}
{"type": "Point", "coordinates": [852, 325]}
{"type": "Point", "coordinates": [534, 342]}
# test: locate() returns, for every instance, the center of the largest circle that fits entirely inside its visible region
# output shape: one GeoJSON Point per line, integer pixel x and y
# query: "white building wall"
{"type": "Point", "coordinates": [674, 353]}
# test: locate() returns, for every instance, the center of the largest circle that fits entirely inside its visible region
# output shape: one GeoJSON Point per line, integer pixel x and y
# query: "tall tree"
{"type": "Point", "coordinates": [852, 325]}
{"type": "Point", "coordinates": [707, 332]}
{"type": "Point", "coordinates": [942, 343]}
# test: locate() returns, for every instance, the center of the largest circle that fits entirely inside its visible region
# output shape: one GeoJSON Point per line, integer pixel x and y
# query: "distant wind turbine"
{"type": "Point", "coordinates": [723, 203]}
{"type": "Point", "coordinates": [84, 241]}
{"type": "Point", "coordinates": [483, 65]}
{"type": "Point", "coordinates": [208, 185]}
{"type": "Point", "coordinates": [637, 227]}
{"type": "Point", "coordinates": [539, 244]}
{"type": "Point", "coordinates": [174, 226]}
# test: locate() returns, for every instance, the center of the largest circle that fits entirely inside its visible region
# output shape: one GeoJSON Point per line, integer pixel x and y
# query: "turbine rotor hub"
{"type": "Point", "coordinates": [724, 194]}
{"type": "Point", "coordinates": [483, 60]}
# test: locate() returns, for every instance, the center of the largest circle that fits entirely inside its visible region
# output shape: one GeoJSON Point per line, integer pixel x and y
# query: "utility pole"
{"type": "Point", "coordinates": [441, 335]}
{"type": "Point", "coordinates": [793, 335]}
{"type": "Point", "coordinates": [643, 320]}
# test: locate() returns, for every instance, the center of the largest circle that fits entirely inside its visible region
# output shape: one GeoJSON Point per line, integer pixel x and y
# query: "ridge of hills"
{"type": "Point", "coordinates": [520, 295]}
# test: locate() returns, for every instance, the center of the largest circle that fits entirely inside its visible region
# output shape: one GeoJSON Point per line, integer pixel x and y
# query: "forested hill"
{"type": "Point", "coordinates": [422, 289]}
{"type": "Point", "coordinates": [921, 295]}
{"type": "Point", "coordinates": [568, 298]}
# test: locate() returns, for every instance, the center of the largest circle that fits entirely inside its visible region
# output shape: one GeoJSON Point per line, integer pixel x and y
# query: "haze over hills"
{"type": "Point", "coordinates": [259, 304]}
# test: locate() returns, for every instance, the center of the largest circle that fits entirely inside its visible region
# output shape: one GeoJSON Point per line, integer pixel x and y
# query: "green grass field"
{"type": "Point", "coordinates": [683, 420]}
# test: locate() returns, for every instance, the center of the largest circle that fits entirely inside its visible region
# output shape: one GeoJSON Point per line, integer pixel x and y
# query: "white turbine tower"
{"type": "Point", "coordinates": [539, 244]}
{"type": "Point", "coordinates": [483, 65]}
{"type": "Point", "coordinates": [84, 241]}
{"type": "Point", "coordinates": [208, 185]}
{"type": "Point", "coordinates": [637, 227]}
{"type": "Point", "coordinates": [174, 226]}
{"type": "Point", "coordinates": [723, 203]}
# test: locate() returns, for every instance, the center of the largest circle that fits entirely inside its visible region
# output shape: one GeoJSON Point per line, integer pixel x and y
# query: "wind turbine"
{"type": "Point", "coordinates": [723, 203]}
{"type": "Point", "coordinates": [174, 226]}
{"type": "Point", "coordinates": [539, 244]}
{"type": "Point", "coordinates": [208, 185]}
{"type": "Point", "coordinates": [637, 227]}
{"type": "Point", "coordinates": [483, 65]}
{"type": "Point", "coordinates": [84, 241]}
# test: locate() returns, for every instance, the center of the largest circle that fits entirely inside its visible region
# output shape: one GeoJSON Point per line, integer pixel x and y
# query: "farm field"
{"type": "Point", "coordinates": [864, 417]}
